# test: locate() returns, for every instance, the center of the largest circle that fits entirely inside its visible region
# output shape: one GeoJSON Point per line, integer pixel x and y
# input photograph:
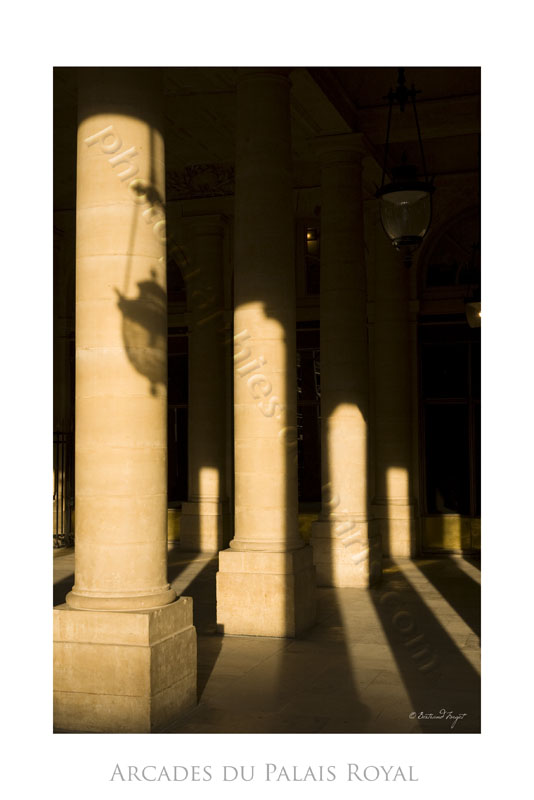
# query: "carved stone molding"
{"type": "Point", "coordinates": [200, 180]}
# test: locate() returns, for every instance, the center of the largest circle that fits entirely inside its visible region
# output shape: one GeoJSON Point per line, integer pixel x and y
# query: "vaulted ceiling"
{"type": "Point", "coordinates": [200, 114]}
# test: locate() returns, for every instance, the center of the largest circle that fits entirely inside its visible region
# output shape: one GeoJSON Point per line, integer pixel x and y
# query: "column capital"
{"type": "Point", "coordinates": [341, 148]}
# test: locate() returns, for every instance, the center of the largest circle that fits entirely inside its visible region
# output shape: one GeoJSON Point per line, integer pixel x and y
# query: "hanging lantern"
{"type": "Point", "coordinates": [406, 202]}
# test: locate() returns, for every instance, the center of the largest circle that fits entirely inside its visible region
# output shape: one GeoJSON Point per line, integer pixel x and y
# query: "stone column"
{"type": "Point", "coordinates": [392, 505]}
{"type": "Point", "coordinates": [201, 524]}
{"type": "Point", "coordinates": [266, 581]}
{"type": "Point", "coordinates": [125, 647]}
{"type": "Point", "coordinates": [345, 552]}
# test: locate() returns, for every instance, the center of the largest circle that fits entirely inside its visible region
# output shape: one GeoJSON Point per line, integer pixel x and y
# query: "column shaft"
{"type": "Point", "coordinates": [121, 340]}
{"type": "Point", "coordinates": [343, 549]}
{"type": "Point", "coordinates": [264, 320]}
{"type": "Point", "coordinates": [265, 582]}
{"type": "Point", "coordinates": [393, 505]}
{"type": "Point", "coordinates": [201, 527]}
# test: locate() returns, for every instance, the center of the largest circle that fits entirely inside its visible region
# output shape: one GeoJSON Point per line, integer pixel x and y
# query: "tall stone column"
{"type": "Point", "coordinates": [203, 516]}
{"type": "Point", "coordinates": [345, 551]}
{"type": "Point", "coordinates": [392, 505]}
{"type": "Point", "coordinates": [266, 580]}
{"type": "Point", "coordinates": [125, 647]}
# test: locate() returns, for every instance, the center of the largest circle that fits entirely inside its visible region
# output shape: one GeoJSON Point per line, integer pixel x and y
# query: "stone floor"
{"type": "Point", "coordinates": [374, 663]}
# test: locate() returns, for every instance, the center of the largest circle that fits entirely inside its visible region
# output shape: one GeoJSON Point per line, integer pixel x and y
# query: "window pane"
{"type": "Point", "coordinates": [442, 273]}
{"type": "Point", "coordinates": [177, 454]}
{"type": "Point", "coordinates": [475, 370]}
{"type": "Point", "coordinates": [445, 370]}
{"type": "Point", "coordinates": [177, 367]}
{"type": "Point", "coordinates": [308, 339]}
{"type": "Point", "coordinates": [307, 369]}
{"type": "Point", "coordinates": [447, 459]}
{"type": "Point", "coordinates": [309, 453]}
{"type": "Point", "coordinates": [477, 459]}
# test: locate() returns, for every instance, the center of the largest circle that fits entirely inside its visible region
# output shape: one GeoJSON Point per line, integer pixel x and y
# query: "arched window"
{"type": "Point", "coordinates": [452, 265]}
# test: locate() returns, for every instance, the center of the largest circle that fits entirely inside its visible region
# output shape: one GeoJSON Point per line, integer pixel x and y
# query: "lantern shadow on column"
{"type": "Point", "coordinates": [144, 324]}
{"type": "Point", "coordinates": [144, 330]}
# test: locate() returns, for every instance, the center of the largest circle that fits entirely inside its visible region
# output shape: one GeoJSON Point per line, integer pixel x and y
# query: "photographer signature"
{"type": "Point", "coordinates": [442, 714]}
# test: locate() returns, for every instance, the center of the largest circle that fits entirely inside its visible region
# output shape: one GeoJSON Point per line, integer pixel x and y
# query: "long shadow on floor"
{"type": "Point", "coordinates": [249, 684]}
{"type": "Point", "coordinates": [194, 575]}
{"type": "Point", "coordinates": [474, 560]}
{"type": "Point", "coordinates": [274, 685]}
{"type": "Point", "coordinates": [270, 685]}
{"type": "Point", "coordinates": [435, 672]}
{"type": "Point", "coordinates": [458, 589]}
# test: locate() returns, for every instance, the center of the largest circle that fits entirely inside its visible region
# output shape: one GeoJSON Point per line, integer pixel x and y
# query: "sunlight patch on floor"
{"type": "Point", "coordinates": [469, 569]}
{"type": "Point", "coordinates": [194, 563]}
{"type": "Point", "coordinates": [370, 654]}
{"type": "Point", "coordinates": [447, 616]}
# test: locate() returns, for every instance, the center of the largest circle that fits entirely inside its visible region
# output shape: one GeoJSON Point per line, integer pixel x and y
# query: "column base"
{"type": "Point", "coordinates": [345, 554]}
{"type": "Point", "coordinates": [124, 671]}
{"type": "Point", "coordinates": [265, 594]}
{"type": "Point", "coordinates": [395, 526]}
{"type": "Point", "coordinates": [203, 527]}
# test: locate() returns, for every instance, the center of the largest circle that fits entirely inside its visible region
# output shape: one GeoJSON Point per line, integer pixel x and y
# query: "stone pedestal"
{"type": "Point", "coordinates": [266, 580]}
{"type": "Point", "coordinates": [203, 526]}
{"type": "Point", "coordinates": [123, 672]}
{"type": "Point", "coordinates": [394, 523]}
{"type": "Point", "coordinates": [278, 588]}
{"type": "Point", "coordinates": [346, 551]}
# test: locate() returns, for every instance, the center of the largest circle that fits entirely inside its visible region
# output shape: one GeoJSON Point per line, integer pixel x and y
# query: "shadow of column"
{"type": "Point", "coordinates": [195, 575]}
{"type": "Point", "coordinates": [436, 673]}
{"type": "Point", "coordinates": [460, 591]}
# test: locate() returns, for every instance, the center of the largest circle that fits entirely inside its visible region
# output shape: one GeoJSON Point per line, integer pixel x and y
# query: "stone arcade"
{"type": "Point", "coordinates": [240, 354]}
